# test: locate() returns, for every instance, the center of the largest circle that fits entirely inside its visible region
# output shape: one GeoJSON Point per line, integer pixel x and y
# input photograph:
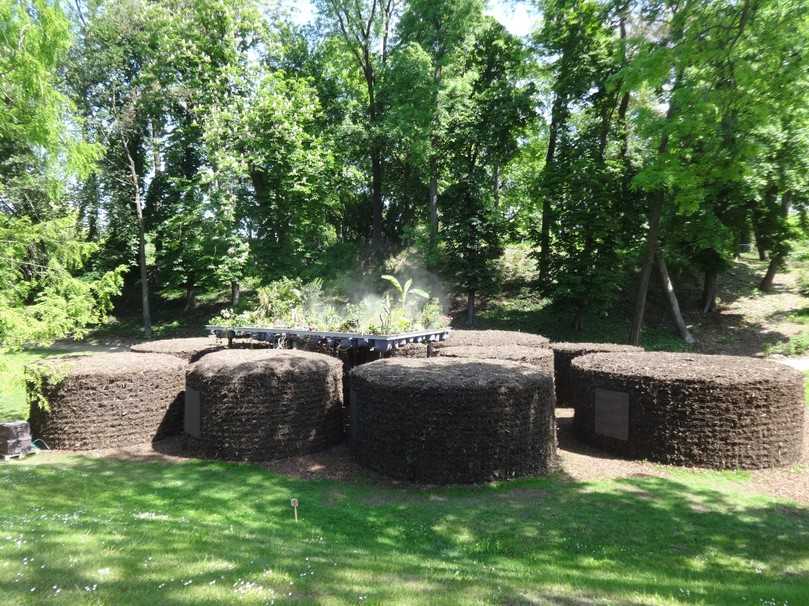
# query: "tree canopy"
{"type": "Point", "coordinates": [194, 146]}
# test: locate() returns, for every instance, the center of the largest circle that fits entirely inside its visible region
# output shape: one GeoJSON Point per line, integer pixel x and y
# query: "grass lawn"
{"type": "Point", "coordinates": [79, 530]}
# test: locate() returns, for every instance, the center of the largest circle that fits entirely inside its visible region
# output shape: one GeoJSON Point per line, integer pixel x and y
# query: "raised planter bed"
{"type": "Point", "coordinates": [345, 340]}
{"type": "Point", "coordinates": [721, 412]}
{"type": "Point", "coordinates": [453, 420]}
{"type": "Point", "coordinates": [260, 405]}
{"type": "Point", "coordinates": [105, 400]}
{"type": "Point", "coordinates": [190, 350]}
{"type": "Point", "coordinates": [565, 353]}
{"type": "Point", "coordinates": [540, 357]}
{"type": "Point", "coordinates": [475, 338]}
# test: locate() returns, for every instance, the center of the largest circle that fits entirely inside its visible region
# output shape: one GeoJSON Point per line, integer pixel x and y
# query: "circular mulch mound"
{"type": "Point", "coordinates": [474, 338]}
{"type": "Point", "coordinates": [722, 412]}
{"type": "Point", "coordinates": [563, 354]}
{"type": "Point", "coordinates": [412, 350]}
{"type": "Point", "coordinates": [540, 357]}
{"type": "Point", "coordinates": [492, 338]}
{"type": "Point", "coordinates": [260, 405]}
{"type": "Point", "coordinates": [105, 400]}
{"type": "Point", "coordinates": [452, 420]}
{"type": "Point", "coordinates": [190, 350]}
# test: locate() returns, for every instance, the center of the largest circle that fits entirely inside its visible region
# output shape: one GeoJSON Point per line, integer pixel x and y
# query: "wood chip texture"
{"type": "Point", "coordinates": [563, 355]}
{"type": "Point", "coordinates": [108, 400]}
{"type": "Point", "coordinates": [541, 357]}
{"type": "Point", "coordinates": [262, 405]}
{"type": "Point", "coordinates": [452, 420]}
{"type": "Point", "coordinates": [190, 350]}
{"type": "Point", "coordinates": [475, 338]}
{"type": "Point", "coordinates": [721, 412]}
{"type": "Point", "coordinates": [491, 338]}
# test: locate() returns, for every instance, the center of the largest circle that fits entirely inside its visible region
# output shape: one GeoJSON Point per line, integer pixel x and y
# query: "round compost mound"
{"type": "Point", "coordinates": [492, 338]}
{"type": "Point", "coordinates": [721, 412]}
{"type": "Point", "coordinates": [474, 338]}
{"type": "Point", "coordinates": [539, 357]}
{"type": "Point", "coordinates": [105, 400]}
{"type": "Point", "coordinates": [563, 354]}
{"type": "Point", "coordinates": [452, 420]}
{"type": "Point", "coordinates": [412, 350]}
{"type": "Point", "coordinates": [190, 350]}
{"type": "Point", "coordinates": [260, 405]}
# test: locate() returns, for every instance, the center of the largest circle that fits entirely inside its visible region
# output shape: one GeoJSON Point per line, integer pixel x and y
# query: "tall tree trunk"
{"type": "Point", "coordinates": [144, 272]}
{"type": "Point", "coordinates": [433, 203]}
{"type": "Point", "coordinates": [190, 298]}
{"type": "Point", "coordinates": [235, 293]}
{"type": "Point", "coordinates": [557, 117]}
{"type": "Point", "coordinates": [762, 252]}
{"type": "Point", "coordinates": [766, 283]}
{"type": "Point", "coordinates": [671, 295]}
{"type": "Point", "coordinates": [758, 235]}
{"type": "Point", "coordinates": [709, 290]}
{"type": "Point", "coordinates": [377, 234]}
{"type": "Point", "coordinates": [470, 306]}
{"type": "Point", "coordinates": [655, 212]}
{"type": "Point", "coordinates": [646, 270]}
{"type": "Point", "coordinates": [777, 260]}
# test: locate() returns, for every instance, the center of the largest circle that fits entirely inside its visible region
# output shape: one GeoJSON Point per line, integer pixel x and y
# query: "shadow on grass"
{"type": "Point", "coordinates": [109, 531]}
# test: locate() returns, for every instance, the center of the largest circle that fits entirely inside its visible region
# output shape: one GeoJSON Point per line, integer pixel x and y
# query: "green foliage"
{"type": "Point", "coordinates": [405, 289]}
{"type": "Point", "coordinates": [43, 295]}
{"type": "Point", "coordinates": [489, 108]}
{"type": "Point", "coordinates": [37, 150]}
{"type": "Point", "coordinates": [796, 345]}
{"type": "Point", "coordinates": [288, 303]}
{"type": "Point", "coordinates": [41, 379]}
{"type": "Point", "coordinates": [234, 146]}
{"type": "Point", "coordinates": [13, 397]}
{"type": "Point", "coordinates": [472, 231]}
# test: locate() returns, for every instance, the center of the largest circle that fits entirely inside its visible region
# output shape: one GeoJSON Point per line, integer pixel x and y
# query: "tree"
{"type": "Point", "coordinates": [43, 297]}
{"type": "Point", "coordinates": [366, 29]}
{"type": "Point", "coordinates": [118, 77]}
{"type": "Point", "coordinates": [489, 111]}
{"type": "Point", "coordinates": [37, 151]}
{"type": "Point", "coordinates": [572, 41]}
{"type": "Point", "coordinates": [588, 212]}
{"type": "Point", "coordinates": [443, 29]}
{"type": "Point", "coordinates": [714, 75]}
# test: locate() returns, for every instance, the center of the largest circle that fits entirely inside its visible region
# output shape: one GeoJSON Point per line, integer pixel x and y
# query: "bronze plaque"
{"type": "Point", "coordinates": [612, 413]}
{"type": "Point", "coordinates": [191, 421]}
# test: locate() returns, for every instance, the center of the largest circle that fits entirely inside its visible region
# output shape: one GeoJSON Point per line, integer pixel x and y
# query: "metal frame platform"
{"type": "Point", "coordinates": [346, 340]}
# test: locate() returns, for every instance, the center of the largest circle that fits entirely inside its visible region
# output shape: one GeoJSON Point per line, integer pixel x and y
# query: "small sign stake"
{"type": "Point", "coordinates": [294, 503]}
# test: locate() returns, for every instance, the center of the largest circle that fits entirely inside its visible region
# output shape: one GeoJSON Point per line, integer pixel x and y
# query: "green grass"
{"type": "Point", "coordinates": [80, 530]}
{"type": "Point", "coordinates": [12, 388]}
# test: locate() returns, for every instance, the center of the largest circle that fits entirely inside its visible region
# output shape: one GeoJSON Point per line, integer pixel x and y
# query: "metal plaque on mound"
{"type": "Point", "coordinates": [612, 413]}
{"type": "Point", "coordinates": [191, 419]}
